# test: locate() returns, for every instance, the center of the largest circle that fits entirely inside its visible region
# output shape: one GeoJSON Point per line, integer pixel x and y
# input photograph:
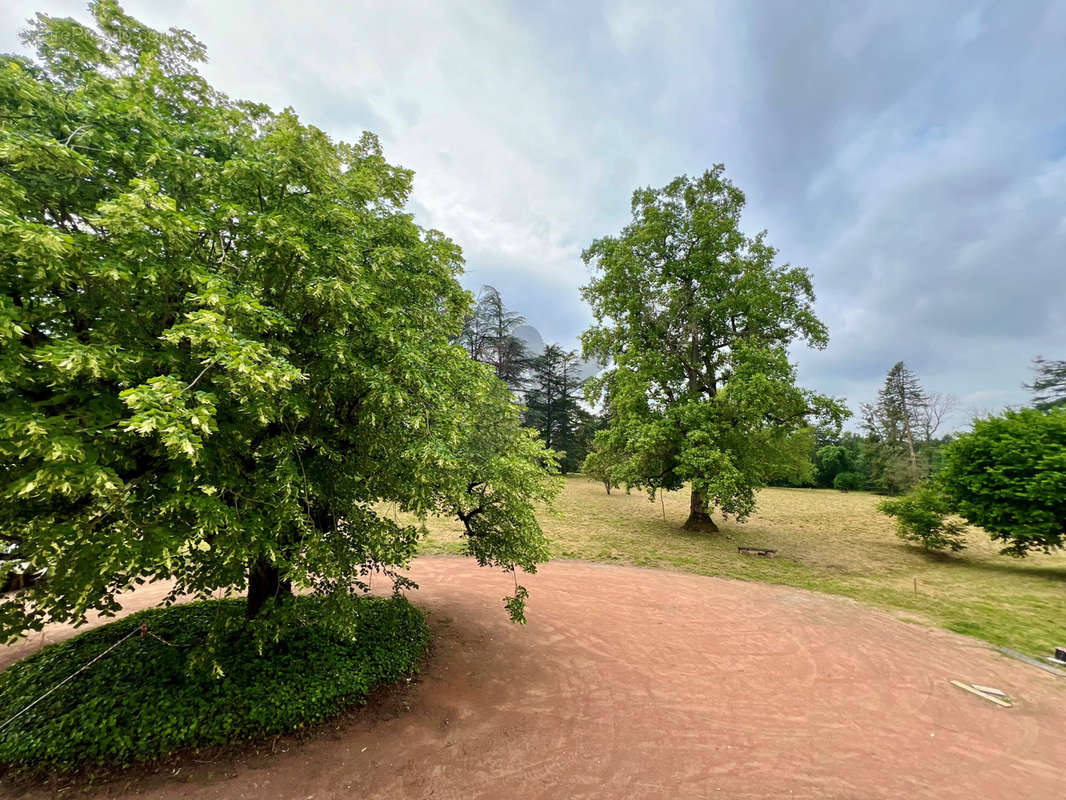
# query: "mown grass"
{"type": "Point", "coordinates": [827, 541]}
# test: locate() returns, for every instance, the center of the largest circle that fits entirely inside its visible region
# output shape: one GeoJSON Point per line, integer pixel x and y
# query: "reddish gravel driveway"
{"type": "Point", "coordinates": [635, 683]}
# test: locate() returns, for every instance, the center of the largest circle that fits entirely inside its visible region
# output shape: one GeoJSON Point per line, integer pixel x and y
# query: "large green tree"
{"type": "Point", "coordinates": [224, 343]}
{"type": "Point", "coordinates": [1008, 476]}
{"type": "Point", "coordinates": [696, 319]}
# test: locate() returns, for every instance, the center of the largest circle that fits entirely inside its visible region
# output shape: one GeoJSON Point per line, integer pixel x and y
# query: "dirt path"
{"type": "Point", "coordinates": [644, 684]}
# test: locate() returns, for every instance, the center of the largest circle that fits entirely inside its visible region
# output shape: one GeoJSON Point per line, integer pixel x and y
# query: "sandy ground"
{"type": "Point", "coordinates": [644, 684]}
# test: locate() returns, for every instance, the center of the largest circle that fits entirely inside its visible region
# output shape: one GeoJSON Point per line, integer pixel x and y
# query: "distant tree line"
{"type": "Point", "coordinates": [1007, 475]}
{"type": "Point", "coordinates": [899, 446]}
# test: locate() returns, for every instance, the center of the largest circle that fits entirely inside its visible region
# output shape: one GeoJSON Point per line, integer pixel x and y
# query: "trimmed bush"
{"type": "Point", "coordinates": [922, 517]}
{"type": "Point", "coordinates": [147, 698]}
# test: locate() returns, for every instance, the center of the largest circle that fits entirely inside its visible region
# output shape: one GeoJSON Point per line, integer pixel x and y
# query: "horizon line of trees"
{"type": "Point", "coordinates": [900, 445]}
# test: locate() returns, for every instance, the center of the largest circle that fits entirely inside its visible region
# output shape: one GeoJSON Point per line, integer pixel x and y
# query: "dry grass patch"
{"type": "Point", "coordinates": [827, 541]}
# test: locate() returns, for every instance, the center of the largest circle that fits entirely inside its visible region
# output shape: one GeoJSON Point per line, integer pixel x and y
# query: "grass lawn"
{"type": "Point", "coordinates": [828, 541]}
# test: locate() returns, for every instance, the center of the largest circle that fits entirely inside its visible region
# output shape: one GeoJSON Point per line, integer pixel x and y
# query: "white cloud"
{"type": "Point", "coordinates": [912, 157]}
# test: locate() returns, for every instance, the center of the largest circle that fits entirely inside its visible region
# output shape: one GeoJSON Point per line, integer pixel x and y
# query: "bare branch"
{"type": "Point", "coordinates": [937, 408]}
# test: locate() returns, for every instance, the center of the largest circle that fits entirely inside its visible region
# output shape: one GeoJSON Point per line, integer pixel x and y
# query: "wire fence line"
{"type": "Point", "coordinates": [141, 629]}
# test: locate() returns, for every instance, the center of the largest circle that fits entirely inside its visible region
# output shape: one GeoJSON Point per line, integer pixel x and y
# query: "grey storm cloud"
{"type": "Point", "coordinates": [912, 155]}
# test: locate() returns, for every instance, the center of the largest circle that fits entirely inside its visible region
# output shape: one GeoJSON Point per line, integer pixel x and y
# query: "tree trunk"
{"type": "Point", "coordinates": [264, 582]}
{"type": "Point", "coordinates": [698, 518]}
{"type": "Point", "coordinates": [907, 431]}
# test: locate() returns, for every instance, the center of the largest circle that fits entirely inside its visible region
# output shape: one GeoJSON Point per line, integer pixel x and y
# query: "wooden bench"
{"type": "Point", "coordinates": [757, 551]}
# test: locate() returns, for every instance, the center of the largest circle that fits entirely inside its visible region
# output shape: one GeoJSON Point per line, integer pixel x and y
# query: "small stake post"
{"type": "Point", "coordinates": [663, 504]}
{"type": "Point", "coordinates": [916, 586]}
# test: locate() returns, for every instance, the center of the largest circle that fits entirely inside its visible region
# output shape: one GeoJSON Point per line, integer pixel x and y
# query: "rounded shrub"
{"type": "Point", "coordinates": [922, 516]}
{"type": "Point", "coordinates": [150, 697]}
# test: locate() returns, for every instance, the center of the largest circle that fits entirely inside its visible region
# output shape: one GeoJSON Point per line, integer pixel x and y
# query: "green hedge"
{"type": "Point", "coordinates": [146, 699]}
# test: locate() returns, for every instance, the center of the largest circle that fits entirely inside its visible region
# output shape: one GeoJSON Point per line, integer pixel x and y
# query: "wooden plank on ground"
{"type": "Point", "coordinates": [988, 697]}
{"type": "Point", "coordinates": [757, 551]}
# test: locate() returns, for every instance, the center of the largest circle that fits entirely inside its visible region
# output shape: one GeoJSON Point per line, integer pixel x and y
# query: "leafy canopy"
{"type": "Point", "coordinates": [1008, 476]}
{"type": "Point", "coordinates": [224, 342]}
{"type": "Point", "coordinates": [696, 319]}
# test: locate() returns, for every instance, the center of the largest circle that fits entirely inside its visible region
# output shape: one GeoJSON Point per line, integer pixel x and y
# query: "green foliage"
{"type": "Point", "coordinates": [901, 449]}
{"type": "Point", "coordinates": [893, 424]}
{"type": "Point", "coordinates": [934, 453]}
{"type": "Point", "coordinates": [516, 605]}
{"type": "Point", "coordinates": [224, 341]}
{"type": "Point", "coordinates": [587, 426]}
{"type": "Point", "coordinates": [790, 464]}
{"type": "Point", "coordinates": [1008, 476]}
{"type": "Point", "coordinates": [836, 453]}
{"type": "Point", "coordinates": [603, 465]}
{"type": "Point", "coordinates": [697, 319]}
{"type": "Point", "coordinates": [147, 698]}
{"type": "Point", "coordinates": [890, 469]}
{"type": "Point", "coordinates": [830, 461]}
{"type": "Point", "coordinates": [848, 481]}
{"type": "Point", "coordinates": [552, 403]}
{"type": "Point", "coordinates": [922, 517]}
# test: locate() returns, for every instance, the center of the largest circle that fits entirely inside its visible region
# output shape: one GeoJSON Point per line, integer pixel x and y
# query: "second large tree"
{"type": "Point", "coordinates": [695, 319]}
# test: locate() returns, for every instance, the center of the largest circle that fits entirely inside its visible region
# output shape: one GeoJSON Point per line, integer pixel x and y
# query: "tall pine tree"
{"type": "Point", "coordinates": [552, 403]}
{"type": "Point", "coordinates": [1049, 385]}
{"type": "Point", "coordinates": [901, 427]}
{"type": "Point", "coordinates": [897, 415]}
{"type": "Point", "coordinates": [489, 336]}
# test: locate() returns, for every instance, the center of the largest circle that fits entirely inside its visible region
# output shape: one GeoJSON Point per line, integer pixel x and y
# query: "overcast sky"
{"type": "Point", "coordinates": [912, 155]}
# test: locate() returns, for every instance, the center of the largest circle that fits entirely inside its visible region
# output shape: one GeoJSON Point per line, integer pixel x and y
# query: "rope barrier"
{"type": "Point", "coordinates": [141, 629]}
{"type": "Point", "coordinates": [159, 638]}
